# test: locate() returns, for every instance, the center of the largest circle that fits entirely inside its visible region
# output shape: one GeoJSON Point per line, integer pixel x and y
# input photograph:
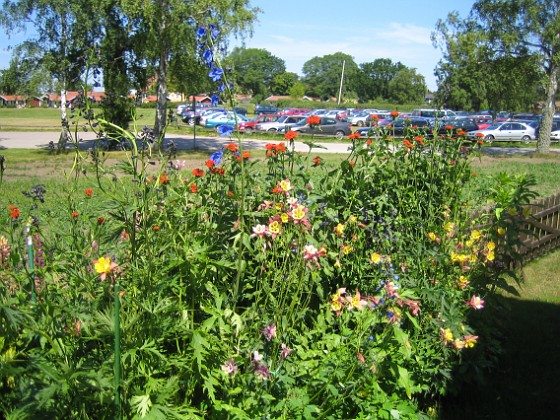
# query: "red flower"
{"type": "Point", "coordinates": [14, 212]}
{"type": "Point", "coordinates": [290, 135]}
{"type": "Point", "coordinates": [368, 142]}
{"type": "Point", "coordinates": [232, 147]}
{"type": "Point", "coordinates": [100, 220]}
{"type": "Point", "coordinates": [374, 118]}
{"type": "Point", "coordinates": [75, 214]}
{"type": "Point", "coordinates": [313, 120]}
{"type": "Point", "coordinates": [193, 188]}
{"type": "Point", "coordinates": [352, 163]}
{"type": "Point", "coordinates": [198, 172]}
{"type": "Point", "coordinates": [394, 114]}
{"type": "Point", "coordinates": [316, 161]}
{"type": "Point", "coordinates": [89, 192]}
{"type": "Point", "coordinates": [219, 171]}
{"type": "Point", "coordinates": [210, 163]}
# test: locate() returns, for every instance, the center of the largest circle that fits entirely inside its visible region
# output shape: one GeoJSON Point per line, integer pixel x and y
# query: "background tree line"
{"type": "Point", "coordinates": [503, 56]}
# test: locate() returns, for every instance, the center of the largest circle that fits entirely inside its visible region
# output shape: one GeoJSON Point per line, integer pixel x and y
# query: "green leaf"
{"type": "Point", "coordinates": [142, 404]}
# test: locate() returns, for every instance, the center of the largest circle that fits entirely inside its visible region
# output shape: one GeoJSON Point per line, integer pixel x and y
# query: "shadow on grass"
{"type": "Point", "coordinates": [526, 382]}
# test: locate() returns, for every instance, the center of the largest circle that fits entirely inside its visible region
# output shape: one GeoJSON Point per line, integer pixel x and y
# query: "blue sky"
{"type": "Point", "coordinates": [298, 30]}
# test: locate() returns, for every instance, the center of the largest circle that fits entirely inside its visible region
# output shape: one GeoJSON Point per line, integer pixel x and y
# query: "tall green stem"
{"type": "Point", "coordinates": [117, 307]}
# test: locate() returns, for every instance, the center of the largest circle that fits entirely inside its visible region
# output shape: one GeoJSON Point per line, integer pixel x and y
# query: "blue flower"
{"type": "Point", "coordinates": [200, 32]}
{"type": "Point", "coordinates": [221, 88]}
{"type": "Point", "coordinates": [214, 99]}
{"type": "Point", "coordinates": [225, 130]}
{"type": "Point", "coordinates": [215, 74]}
{"type": "Point", "coordinates": [217, 157]}
{"type": "Point", "coordinates": [208, 57]}
{"type": "Point", "coordinates": [214, 32]}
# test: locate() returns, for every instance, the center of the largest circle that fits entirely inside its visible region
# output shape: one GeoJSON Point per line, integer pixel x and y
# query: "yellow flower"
{"type": "Point", "coordinates": [103, 266]}
{"type": "Point", "coordinates": [491, 246]}
{"type": "Point", "coordinates": [278, 206]}
{"type": "Point", "coordinates": [353, 219]}
{"type": "Point", "coordinates": [432, 236]}
{"type": "Point", "coordinates": [339, 229]}
{"type": "Point", "coordinates": [470, 340]}
{"type": "Point", "coordinates": [458, 344]}
{"type": "Point", "coordinates": [285, 185]}
{"type": "Point", "coordinates": [347, 249]}
{"type": "Point", "coordinates": [501, 231]}
{"type": "Point", "coordinates": [463, 282]}
{"type": "Point", "coordinates": [449, 226]}
{"type": "Point", "coordinates": [490, 256]}
{"type": "Point", "coordinates": [285, 218]}
{"type": "Point", "coordinates": [475, 235]}
{"type": "Point", "coordinates": [274, 227]}
{"type": "Point", "coordinates": [447, 335]}
{"type": "Point", "coordinates": [299, 212]}
{"type": "Point", "coordinates": [375, 258]}
{"type": "Point", "coordinates": [337, 263]}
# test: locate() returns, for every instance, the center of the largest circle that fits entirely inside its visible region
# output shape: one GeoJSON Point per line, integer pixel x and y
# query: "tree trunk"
{"type": "Point", "coordinates": [549, 108]}
{"type": "Point", "coordinates": [161, 104]}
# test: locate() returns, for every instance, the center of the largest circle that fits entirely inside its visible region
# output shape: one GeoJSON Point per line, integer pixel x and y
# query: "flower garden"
{"type": "Point", "coordinates": [249, 288]}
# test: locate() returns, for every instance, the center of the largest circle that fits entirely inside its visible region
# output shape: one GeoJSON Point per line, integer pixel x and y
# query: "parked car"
{"type": "Point", "coordinates": [401, 125]}
{"type": "Point", "coordinates": [505, 131]}
{"type": "Point", "coordinates": [224, 119]}
{"type": "Point", "coordinates": [249, 126]}
{"type": "Point", "coordinates": [432, 113]}
{"type": "Point", "coordinates": [266, 109]}
{"type": "Point", "coordinates": [359, 119]}
{"type": "Point", "coordinates": [453, 126]}
{"type": "Point", "coordinates": [327, 126]}
{"type": "Point", "coordinates": [209, 114]}
{"type": "Point", "coordinates": [282, 122]}
{"type": "Point", "coordinates": [192, 117]}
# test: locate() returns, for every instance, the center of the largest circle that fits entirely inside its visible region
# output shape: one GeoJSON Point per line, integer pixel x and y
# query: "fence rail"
{"type": "Point", "coordinates": [541, 228]}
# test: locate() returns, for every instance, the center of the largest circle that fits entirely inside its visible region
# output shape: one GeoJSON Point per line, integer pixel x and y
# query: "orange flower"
{"type": "Point", "coordinates": [420, 140]}
{"type": "Point", "coordinates": [163, 179]}
{"type": "Point", "coordinates": [290, 135]}
{"type": "Point", "coordinates": [479, 135]}
{"type": "Point", "coordinates": [374, 118]}
{"type": "Point", "coordinates": [281, 147]}
{"type": "Point", "coordinates": [354, 136]}
{"type": "Point", "coordinates": [209, 163]}
{"type": "Point", "coordinates": [100, 220]}
{"type": "Point", "coordinates": [193, 188]}
{"type": "Point", "coordinates": [461, 133]}
{"type": "Point", "coordinates": [89, 192]}
{"type": "Point", "coordinates": [75, 214]}
{"type": "Point", "coordinates": [316, 161]}
{"type": "Point", "coordinates": [408, 144]}
{"type": "Point", "coordinates": [246, 155]}
{"type": "Point", "coordinates": [198, 172]}
{"type": "Point", "coordinates": [14, 212]}
{"type": "Point", "coordinates": [394, 114]}
{"type": "Point", "coordinates": [313, 120]}
{"type": "Point", "coordinates": [232, 147]}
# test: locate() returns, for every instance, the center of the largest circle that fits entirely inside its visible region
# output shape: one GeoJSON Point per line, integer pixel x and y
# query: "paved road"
{"type": "Point", "coordinates": [31, 140]}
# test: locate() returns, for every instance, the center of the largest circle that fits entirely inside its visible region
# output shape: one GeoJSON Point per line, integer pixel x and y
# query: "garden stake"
{"type": "Point", "coordinates": [117, 305]}
{"type": "Point", "coordinates": [31, 264]}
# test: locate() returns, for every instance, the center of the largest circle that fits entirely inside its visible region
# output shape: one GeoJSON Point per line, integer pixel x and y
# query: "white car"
{"type": "Point", "coordinates": [283, 121]}
{"type": "Point", "coordinates": [555, 135]}
{"type": "Point", "coordinates": [505, 131]}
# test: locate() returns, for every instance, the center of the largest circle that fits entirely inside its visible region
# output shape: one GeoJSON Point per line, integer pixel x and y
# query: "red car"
{"type": "Point", "coordinates": [249, 126]}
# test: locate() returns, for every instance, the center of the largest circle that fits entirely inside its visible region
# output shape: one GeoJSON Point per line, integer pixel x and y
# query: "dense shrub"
{"type": "Point", "coordinates": [283, 289]}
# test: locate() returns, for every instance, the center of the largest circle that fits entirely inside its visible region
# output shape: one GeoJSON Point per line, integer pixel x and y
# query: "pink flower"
{"type": "Point", "coordinates": [229, 367]}
{"type": "Point", "coordinates": [269, 332]}
{"type": "Point", "coordinates": [312, 254]}
{"type": "Point", "coordinates": [476, 302]}
{"type": "Point", "coordinates": [260, 230]}
{"type": "Point", "coordinates": [285, 351]}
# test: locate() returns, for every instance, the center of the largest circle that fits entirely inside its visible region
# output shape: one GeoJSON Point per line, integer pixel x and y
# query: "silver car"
{"type": "Point", "coordinates": [505, 131]}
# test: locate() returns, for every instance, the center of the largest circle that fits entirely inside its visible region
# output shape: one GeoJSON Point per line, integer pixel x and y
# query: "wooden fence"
{"type": "Point", "coordinates": [540, 229]}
